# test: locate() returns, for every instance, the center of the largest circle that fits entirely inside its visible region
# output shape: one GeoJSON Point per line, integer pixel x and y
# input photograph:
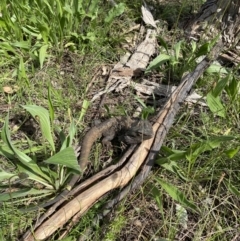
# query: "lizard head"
{"type": "Point", "coordinates": [139, 131]}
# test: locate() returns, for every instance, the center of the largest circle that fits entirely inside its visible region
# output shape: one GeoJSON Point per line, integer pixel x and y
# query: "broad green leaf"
{"type": "Point", "coordinates": [59, 8]}
{"type": "Point", "coordinates": [72, 133]}
{"type": "Point", "coordinates": [173, 154]}
{"type": "Point", "coordinates": [6, 151]}
{"type": "Point", "coordinates": [191, 154]}
{"type": "Point", "coordinates": [233, 189]}
{"type": "Point", "coordinates": [221, 85]}
{"type": "Point", "coordinates": [26, 164]}
{"type": "Point", "coordinates": [166, 150]}
{"type": "Point", "coordinates": [49, 7]}
{"type": "Point", "coordinates": [7, 47]}
{"type": "Point", "coordinates": [2, 23]}
{"type": "Point", "coordinates": [159, 60]}
{"type": "Point", "coordinates": [6, 175]}
{"type": "Point", "coordinates": [215, 141]}
{"type": "Point", "coordinates": [34, 33]}
{"type": "Point", "coordinates": [197, 149]}
{"type": "Point", "coordinates": [94, 6]}
{"type": "Point", "coordinates": [174, 168]}
{"type": "Point", "coordinates": [44, 30]}
{"type": "Point", "coordinates": [67, 141]}
{"type": "Point", "coordinates": [67, 9]}
{"type": "Point", "coordinates": [216, 68]}
{"type": "Point", "coordinates": [63, 138]}
{"type": "Point", "coordinates": [194, 46]}
{"type": "Point", "coordinates": [232, 152]}
{"type": "Point", "coordinates": [77, 6]}
{"type": "Point", "coordinates": [177, 195]}
{"type": "Point", "coordinates": [233, 88]}
{"type": "Point", "coordinates": [84, 109]}
{"type": "Point", "coordinates": [36, 174]}
{"type": "Point", "coordinates": [177, 155]}
{"type": "Point", "coordinates": [172, 157]}
{"type": "Point", "coordinates": [23, 193]}
{"type": "Point", "coordinates": [21, 72]}
{"type": "Point", "coordinates": [203, 50]}
{"type": "Point", "coordinates": [158, 197]}
{"type": "Point", "coordinates": [65, 157]}
{"type": "Point", "coordinates": [42, 54]}
{"type": "Point", "coordinates": [116, 11]}
{"type": "Point", "coordinates": [163, 43]}
{"type": "Point", "coordinates": [90, 36]}
{"type": "Point", "coordinates": [41, 115]}
{"type": "Point", "coordinates": [177, 49]}
{"type": "Point", "coordinates": [215, 105]}
{"type": "Point", "coordinates": [22, 44]}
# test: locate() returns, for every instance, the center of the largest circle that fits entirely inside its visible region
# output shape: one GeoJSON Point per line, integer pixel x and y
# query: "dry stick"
{"type": "Point", "coordinates": [95, 75]}
{"type": "Point", "coordinates": [99, 176]}
{"type": "Point", "coordinates": [89, 182]}
{"type": "Point", "coordinates": [165, 118]}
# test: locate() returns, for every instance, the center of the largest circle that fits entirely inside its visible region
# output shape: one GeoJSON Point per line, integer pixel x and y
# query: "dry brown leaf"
{"type": "Point", "coordinates": [148, 17]}
{"type": "Point", "coordinates": [8, 89]}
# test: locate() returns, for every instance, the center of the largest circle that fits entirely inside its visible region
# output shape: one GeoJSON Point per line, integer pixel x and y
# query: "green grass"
{"type": "Point", "coordinates": [50, 51]}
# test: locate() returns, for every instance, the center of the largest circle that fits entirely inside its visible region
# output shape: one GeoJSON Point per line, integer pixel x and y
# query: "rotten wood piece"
{"type": "Point", "coordinates": [214, 17]}
{"type": "Point", "coordinates": [122, 73]}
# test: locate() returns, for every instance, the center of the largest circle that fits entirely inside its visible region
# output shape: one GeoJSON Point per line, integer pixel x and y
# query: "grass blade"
{"type": "Point", "coordinates": [177, 195]}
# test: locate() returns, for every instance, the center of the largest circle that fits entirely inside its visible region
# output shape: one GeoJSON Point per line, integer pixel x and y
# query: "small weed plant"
{"type": "Point", "coordinates": [27, 165]}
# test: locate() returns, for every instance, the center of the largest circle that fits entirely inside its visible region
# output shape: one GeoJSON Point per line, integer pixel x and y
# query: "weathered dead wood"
{"type": "Point", "coordinates": [122, 74]}
{"type": "Point", "coordinates": [231, 56]}
{"type": "Point", "coordinates": [214, 17]}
